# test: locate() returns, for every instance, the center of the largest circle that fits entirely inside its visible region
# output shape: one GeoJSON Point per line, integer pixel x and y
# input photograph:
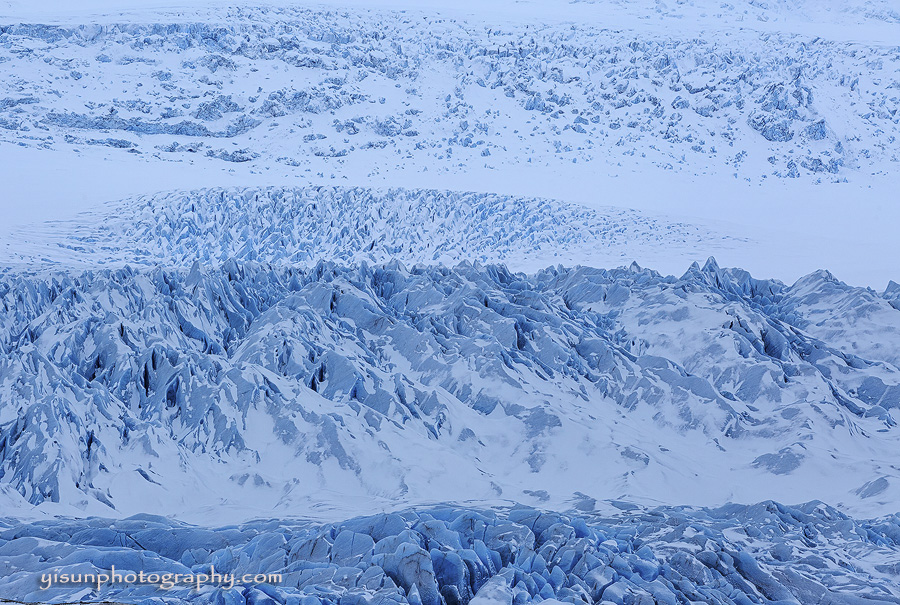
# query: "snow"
{"type": "Point", "coordinates": [305, 225]}
{"type": "Point", "coordinates": [355, 292]}
{"type": "Point", "coordinates": [686, 95]}
{"type": "Point", "coordinates": [483, 556]}
{"type": "Point", "coordinates": [436, 384]}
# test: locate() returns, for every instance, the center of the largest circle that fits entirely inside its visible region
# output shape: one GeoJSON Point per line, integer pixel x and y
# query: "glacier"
{"type": "Point", "coordinates": [765, 553]}
{"type": "Point", "coordinates": [780, 108]}
{"type": "Point", "coordinates": [417, 383]}
{"type": "Point", "coordinates": [302, 225]}
{"type": "Point", "coordinates": [347, 293]}
{"type": "Point", "coordinates": [320, 89]}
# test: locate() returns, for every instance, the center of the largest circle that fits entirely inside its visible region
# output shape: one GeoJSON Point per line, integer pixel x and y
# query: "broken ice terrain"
{"type": "Point", "coordinates": [299, 226]}
{"type": "Point", "coordinates": [227, 347]}
{"type": "Point", "coordinates": [340, 275]}
{"type": "Point", "coordinates": [314, 89]}
{"type": "Point", "coordinates": [767, 553]}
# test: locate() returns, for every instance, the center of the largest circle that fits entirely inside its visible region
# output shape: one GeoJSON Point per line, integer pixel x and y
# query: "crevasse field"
{"type": "Point", "coordinates": [451, 303]}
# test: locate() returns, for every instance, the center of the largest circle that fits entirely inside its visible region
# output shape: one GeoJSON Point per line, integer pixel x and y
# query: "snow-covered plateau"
{"type": "Point", "coordinates": [346, 291]}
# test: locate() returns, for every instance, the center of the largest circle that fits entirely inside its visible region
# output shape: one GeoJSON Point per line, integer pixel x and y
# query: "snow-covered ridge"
{"type": "Point", "coordinates": [317, 90]}
{"type": "Point", "coordinates": [300, 226]}
{"type": "Point", "coordinates": [305, 389]}
{"type": "Point", "coordinates": [765, 553]}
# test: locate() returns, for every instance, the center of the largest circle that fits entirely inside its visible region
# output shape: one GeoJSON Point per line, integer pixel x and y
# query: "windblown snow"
{"type": "Point", "coordinates": [346, 293]}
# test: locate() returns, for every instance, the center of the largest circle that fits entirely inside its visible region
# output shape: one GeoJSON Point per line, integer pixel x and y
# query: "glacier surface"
{"type": "Point", "coordinates": [309, 88]}
{"type": "Point", "coordinates": [766, 553]}
{"type": "Point", "coordinates": [434, 383]}
{"type": "Point", "coordinates": [754, 121]}
{"type": "Point", "coordinates": [347, 267]}
{"type": "Point", "coordinates": [302, 225]}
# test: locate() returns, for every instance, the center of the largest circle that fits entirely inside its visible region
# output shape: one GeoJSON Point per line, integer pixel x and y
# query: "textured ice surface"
{"type": "Point", "coordinates": [299, 226]}
{"type": "Point", "coordinates": [313, 386]}
{"type": "Point", "coordinates": [192, 354]}
{"type": "Point", "coordinates": [311, 88]}
{"type": "Point", "coordinates": [699, 110]}
{"type": "Point", "coordinates": [766, 553]}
